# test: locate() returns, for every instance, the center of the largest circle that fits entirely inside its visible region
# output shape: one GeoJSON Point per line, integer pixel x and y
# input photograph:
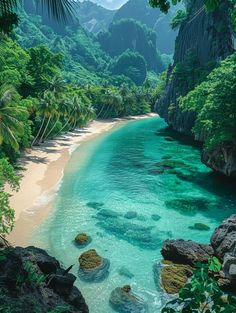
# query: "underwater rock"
{"type": "Point", "coordinates": [95, 205]}
{"type": "Point", "coordinates": [123, 271]}
{"type": "Point", "coordinates": [108, 213]}
{"type": "Point", "coordinates": [174, 276]}
{"type": "Point", "coordinates": [123, 300]}
{"type": "Point", "coordinates": [223, 239]}
{"type": "Point", "coordinates": [131, 215]}
{"type": "Point", "coordinates": [167, 157]}
{"type": "Point", "coordinates": [155, 217]}
{"type": "Point", "coordinates": [82, 239]}
{"type": "Point", "coordinates": [141, 217]}
{"type": "Point", "coordinates": [136, 234]}
{"type": "Point", "coordinates": [186, 251]}
{"type": "Point", "coordinates": [156, 171]}
{"type": "Point", "coordinates": [93, 268]}
{"type": "Point", "coordinates": [200, 226]}
{"type": "Point", "coordinates": [189, 206]}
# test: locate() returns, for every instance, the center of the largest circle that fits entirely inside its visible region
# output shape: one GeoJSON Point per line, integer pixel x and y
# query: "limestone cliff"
{"type": "Point", "coordinates": [204, 39]}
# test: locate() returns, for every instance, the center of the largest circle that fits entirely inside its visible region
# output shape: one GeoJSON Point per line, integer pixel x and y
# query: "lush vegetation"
{"type": "Point", "coordinates": [214, 102]}
{"type": "Point", "coordinates": [202, 293]}
{"type": "Point", "coordinates": [179, 17]}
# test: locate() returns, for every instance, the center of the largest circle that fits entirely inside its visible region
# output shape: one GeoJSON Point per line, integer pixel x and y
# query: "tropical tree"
{"type": "Point", "coordinates": [10, 111]}
{"type": "Point", "coordinates": [61, 10]}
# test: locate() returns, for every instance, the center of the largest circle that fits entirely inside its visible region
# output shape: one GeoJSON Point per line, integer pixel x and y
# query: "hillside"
{"type": "Point", "coordinates": [159, 22]}
{"type": "Point", "coordinates": [93, 17]}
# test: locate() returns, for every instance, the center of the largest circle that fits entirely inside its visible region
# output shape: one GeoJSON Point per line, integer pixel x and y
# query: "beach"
{"type": "Point", "coordinates": [41, 172]}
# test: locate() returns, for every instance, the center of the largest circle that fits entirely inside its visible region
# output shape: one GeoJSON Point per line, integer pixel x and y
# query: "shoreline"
{"type": "Point", "coordinates": [42, 174]}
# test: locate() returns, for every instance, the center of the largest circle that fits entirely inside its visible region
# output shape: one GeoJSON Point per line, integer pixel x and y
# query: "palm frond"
{"type": "Point", "coordinates": [8, 6]}
{"type": "Point", "coordinates": [59, 9]}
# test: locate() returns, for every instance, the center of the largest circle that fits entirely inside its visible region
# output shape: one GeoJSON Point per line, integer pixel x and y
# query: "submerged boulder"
{"type": "Point", "coordinates": [82, 239]}
{"type": "Point", "coordinates": [186, 251]}
{"type": "Point", "coordinates": [223, 239]}
{"type": "Point", "coordinates": [123, 300]}
{"type": "Point", "coordinates": [156, 217]}
{"type": "Point", "coordinates": [123, 271]}
{"type": "Point", "coordinates": [131, 214]}
{"type": "Point", "coordinates": [95, 205]}
{"type": "Point", "coordinates": [188, 206]}
{"type": "Point", "coordinates": [92, 266]}
{"type": "Point", "coordinates": [174, 276]}
{"type": "Point", "coordinates": [200, 226]}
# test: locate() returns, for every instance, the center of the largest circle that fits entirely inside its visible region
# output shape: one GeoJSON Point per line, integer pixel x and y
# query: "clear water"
{"type": "Point", "coordinates": [119, 169]}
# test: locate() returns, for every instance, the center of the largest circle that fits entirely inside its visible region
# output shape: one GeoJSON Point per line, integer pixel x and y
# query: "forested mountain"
{"type": "Point", "coordinates": [130, 34]}
{"type": "Point", "coordinates": [94, 17]}
{"type": "Point", "coordinates": [205, 39]}
{"type": "Point", "coordinates": [159, 22]}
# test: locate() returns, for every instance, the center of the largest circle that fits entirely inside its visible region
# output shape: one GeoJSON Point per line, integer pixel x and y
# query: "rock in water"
{"type": "Point", "coordinates": [174, 276]}
{"type": "Point", "coordinates": [131, 215]}
{"type": "Point", "coordinates": [82, 239]}
{"type": "Point", "coordinates": [223, 239]}
{"type": "Point", "coordinates": [93, 268]}
{"type": "Point", "coordinates": [200, 226]}
{"type": "Point", "coordinates": [95, 205]}
{"type": "Point", "coordinates": [123, 271]}
{"type": "Point", "coordinates": [155, 217]}
{"type": "Point", "coordinates": [186, 251]}
{"type": "Point", "coordinates": [123, 300]}
{"type": "Point", "coordinates": [48, 288]}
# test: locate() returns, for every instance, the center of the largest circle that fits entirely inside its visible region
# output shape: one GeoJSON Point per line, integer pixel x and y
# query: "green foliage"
{"type": "Point", "coordinates": [202, 294]}
{"type": "Point", "coordinates": [130, 34]}
{"type": "Point", "coordinates": [214, 103]}
{"type": "Point", "coordinates": [132, 65]}
{"type": "Point", "coordinates": [33, 276]}
{"type": "Point", "coordinates": [60, 309]}
{"type": "Point", "coordinates": [7, 176]}
{"type": "Point", "coordinates": [179, 17]}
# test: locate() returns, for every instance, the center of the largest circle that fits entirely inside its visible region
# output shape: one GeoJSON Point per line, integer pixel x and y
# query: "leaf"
{"type": "Point", "coordinates": [214, 264]}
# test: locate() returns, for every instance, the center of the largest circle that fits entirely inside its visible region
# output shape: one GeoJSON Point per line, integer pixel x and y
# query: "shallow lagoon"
{"type": "Point", "coordinates": [139, 167]}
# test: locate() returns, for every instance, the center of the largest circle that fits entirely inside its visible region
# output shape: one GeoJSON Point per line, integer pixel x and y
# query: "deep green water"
{"type": "Point", "coordinates": [120, 170]}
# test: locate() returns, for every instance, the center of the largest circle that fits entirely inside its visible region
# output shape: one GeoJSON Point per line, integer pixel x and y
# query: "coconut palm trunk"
{"type": "Point", "coordinates": [49, 119]}
{"type": "Point", "coordinates": [40, 129]}
{"type": "Point", "coordinates": [50, 131]}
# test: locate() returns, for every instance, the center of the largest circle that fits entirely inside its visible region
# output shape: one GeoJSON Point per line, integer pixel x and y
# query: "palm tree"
{"type": "Point", "coordinates": [10, 125]}
{"type": "Point", "coordinates": [48, 109]}
{"type": "Point", "coordinates": [61, 10]}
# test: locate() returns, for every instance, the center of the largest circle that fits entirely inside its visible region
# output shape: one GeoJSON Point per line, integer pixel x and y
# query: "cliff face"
{"type": "Point", "coordinates": [33, 281]}
{"type": "Point", "coordinates": [203, 40]}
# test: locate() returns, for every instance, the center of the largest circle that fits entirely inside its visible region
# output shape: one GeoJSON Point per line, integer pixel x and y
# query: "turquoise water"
{"type": "Point", "coordinates": [133, 168]}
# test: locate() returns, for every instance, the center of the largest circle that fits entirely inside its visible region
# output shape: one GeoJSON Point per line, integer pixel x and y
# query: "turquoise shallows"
{"type": "Point", "coordinates": [144, 168]}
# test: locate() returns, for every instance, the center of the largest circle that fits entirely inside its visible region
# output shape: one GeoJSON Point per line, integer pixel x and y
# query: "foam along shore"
{"type": "Point", "coordinates": [42, 171]}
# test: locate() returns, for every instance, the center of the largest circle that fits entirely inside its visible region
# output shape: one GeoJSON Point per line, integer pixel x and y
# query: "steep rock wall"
{"type": "Point", "coordinates": [209, 38]}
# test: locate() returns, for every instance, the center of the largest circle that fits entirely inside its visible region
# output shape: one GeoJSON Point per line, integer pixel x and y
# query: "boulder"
{"type": "Point", "coordinates": [89, 260]}
{"type": "Point", "coordinates": [200, 226]}
{"type": "Point", "coordinates": [123, 300]}
{"type": "Point", "coordinates": [229, 267]}
{"type": "Point", "coordinates": [174, 277]}
{"type": "Point", "coordinates": [186, 251]}
{"type": "Point", "coordinates": [155, 217]}
{"type": "Point", "coordinates": [82, 239]}
{"type": "Point", "coordinates": [223, 239]}
{"type": "Point", "coordinates": [131, 215]}
{"type": "Point", "coordinates": [93, 268]}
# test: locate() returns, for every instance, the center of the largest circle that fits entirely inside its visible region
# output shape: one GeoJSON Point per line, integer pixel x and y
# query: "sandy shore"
{"type": "Point", "coordinates": [42, 174]}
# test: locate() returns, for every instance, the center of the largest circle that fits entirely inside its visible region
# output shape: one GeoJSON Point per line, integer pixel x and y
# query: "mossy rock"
{"type": "Point", "coordinates": [82, 239]}
{"type": "Point", "coordinates": [200, 226]}
{"type": "Point", "coordinates": [90, 260]}
{"type": "Point", "coordinates": [189, 205]}
{"type": "Point", "coordinates": [174, 277]}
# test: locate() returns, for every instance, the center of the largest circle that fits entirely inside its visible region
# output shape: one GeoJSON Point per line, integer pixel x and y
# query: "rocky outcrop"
{"type": "Point", "coordinates": [182, 252]}
{"type": "Point", "coordinates": [222, 159]}
{"type": "Point", "coordinates": [223, 239]}
{"type": "Point", "coordinates": [186, 252]}
{"type": "Point", "coordinates": [93, 268]}
{"type": "Point", "coordinates": [204, 38]}
{"type": "Point", "coordinates": [31, 281]}
{"type": "Point", "coordinates": [123, 300]}
{"type": "Point", "coordinates": [82, 239]}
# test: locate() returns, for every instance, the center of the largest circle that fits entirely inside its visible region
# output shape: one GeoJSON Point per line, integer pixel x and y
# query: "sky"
{"type": "Point", "coordinates": [110, 4]}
